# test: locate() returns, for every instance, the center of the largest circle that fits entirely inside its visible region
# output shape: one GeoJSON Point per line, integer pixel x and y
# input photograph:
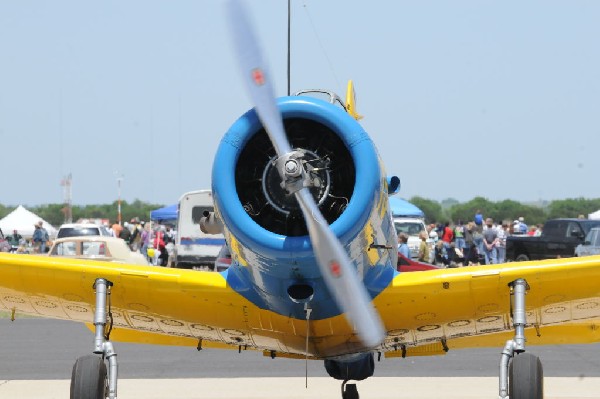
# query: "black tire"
{"type": "Point", "coordinates": [350, 392]}
{"type": "Point", "coordinates": [525, 377]}
{"type": "Point", "coordinates": [522, 258]}
{"type": "Point", "coordinates": [88, 379]}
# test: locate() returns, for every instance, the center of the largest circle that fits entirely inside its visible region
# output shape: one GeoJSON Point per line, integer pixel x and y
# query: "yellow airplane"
{"type": "Point", "coordinates": [302, 198]}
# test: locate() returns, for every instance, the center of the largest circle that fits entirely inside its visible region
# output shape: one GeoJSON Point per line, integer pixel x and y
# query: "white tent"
{"type": "Point", "coordinates": [24, 222]}
{"type": "Point", "coordinates": [594, 215]}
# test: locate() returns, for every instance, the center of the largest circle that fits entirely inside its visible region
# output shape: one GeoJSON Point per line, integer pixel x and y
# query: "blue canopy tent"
{"type": "Point", "coordinates": [166, 213]}
{"type": "Point", "coordinates": [404, 208]}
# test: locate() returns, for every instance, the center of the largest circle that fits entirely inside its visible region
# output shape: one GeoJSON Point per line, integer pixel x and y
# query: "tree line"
{"type": "Point", "coordinates": [451, 210]}
{"type": "Point", "coordinates": [448, 210]}
{"type": "Point", "coordinates": [55, 213]}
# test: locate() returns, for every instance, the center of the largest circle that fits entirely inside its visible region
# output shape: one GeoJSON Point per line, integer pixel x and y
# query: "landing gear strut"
{"type": "Point", "coordinates": [90, 379]}
{"type": "Point", "coordinates": [521, 374]}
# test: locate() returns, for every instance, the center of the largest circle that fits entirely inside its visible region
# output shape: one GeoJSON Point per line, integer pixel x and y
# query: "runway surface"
{"type": "Point", "coordinates": [37, 355]}
{"type": "Point", "coordinates": [294, 388]}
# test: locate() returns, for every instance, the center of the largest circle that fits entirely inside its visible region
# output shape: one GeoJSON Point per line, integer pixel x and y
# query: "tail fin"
{"type": "Point", "coordinates": [351, 101]}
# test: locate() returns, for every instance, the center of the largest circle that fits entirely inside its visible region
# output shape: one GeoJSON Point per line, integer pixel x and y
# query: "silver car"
{"type": "Point", "coordinates": [591, 245]}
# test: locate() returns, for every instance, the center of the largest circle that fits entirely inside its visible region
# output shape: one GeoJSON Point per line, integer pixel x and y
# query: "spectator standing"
{"type": "Point", "coordinates": [45, 237]}
{"type": "Point", "coordinates": [136, 235]}
{"type": "Point", "coordinates": [459, 237]}
{"type": "Point", "coordinates": [447, 238]}
{"type": "Point", "coordinates": [117, 229]}
{"type": "Point", "coordinates": [37, 239]}
{"type": "Point", "coordinates": [478, 220]}
{"type": "Point", "coordinates": [159, 243]}
{"type": "Point", "coordinates": [470, 252]}
{"type": "Point", "coordinates": [15, 238]}
{"type": "Point", "coordinates": [523, 228]}
{"type": "Point", "coordinates": [169, 235]}
{"type": "Point", "coordinates": [125, 234]}
{"type": "Point", "coordinates": [501, 247]}
{"type": "Point", "coordinates": [432, 233]}
{"type": "Point", "coordinates": [490, 241]}
{"type": "Point", "coordinates": [146, 238]}
{"type": "Point", "coordinates": [403, 246]}
{"type": "Point", "coordinates": [423, 250]}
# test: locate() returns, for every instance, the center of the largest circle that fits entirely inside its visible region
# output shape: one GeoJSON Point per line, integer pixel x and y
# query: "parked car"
{"type": "Point", "coordinates": [412, 227]}
{"type": "Point", "coordinates": [105, 248]}
{"type": "Point", "coordinates": [408, 265]}
{"type": "Point", "coordinates": [558, 240]}
{"type": "Point", "coordinates": [591, 244]}
{"type": "Point", "coordinates": [82, 229]}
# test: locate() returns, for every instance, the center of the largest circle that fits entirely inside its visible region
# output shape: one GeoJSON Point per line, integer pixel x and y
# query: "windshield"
{"type": "Point", "coordinates": [78, 231]}
{"type": "Point", "coordinates": [412, 229]}
{"type": "Point", "coordinates": [324, 95]}
{"type": "Point", "coordinates": [593, 237]}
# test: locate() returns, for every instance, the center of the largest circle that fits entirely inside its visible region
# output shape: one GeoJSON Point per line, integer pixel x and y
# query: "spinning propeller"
{"type": "Point", "coordinates": [337, 269]}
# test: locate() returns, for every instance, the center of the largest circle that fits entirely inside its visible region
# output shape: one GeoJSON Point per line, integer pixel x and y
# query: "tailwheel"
{"type": "Point", "coordinates": [89, 378]}
{"type": "Point", "coordinates": [349, 391]}
{"type": "Point", "coordinates": [525, 377]}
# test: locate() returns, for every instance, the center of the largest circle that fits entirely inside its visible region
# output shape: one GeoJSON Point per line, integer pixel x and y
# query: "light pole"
{"type": "Point", "coordinates": [120, 178]}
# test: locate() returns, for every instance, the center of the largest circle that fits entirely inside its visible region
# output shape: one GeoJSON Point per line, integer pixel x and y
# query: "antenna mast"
{"type": "Point", "coordinates": [288, 43]}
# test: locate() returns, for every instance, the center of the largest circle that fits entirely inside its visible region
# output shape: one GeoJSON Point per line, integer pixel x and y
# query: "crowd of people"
{"type": "Point", "coordinates": [480, 241]}
{"type": "Point", "coordinates": [156, 242]}
{"type": "Point", "coordinates": [16, 243]}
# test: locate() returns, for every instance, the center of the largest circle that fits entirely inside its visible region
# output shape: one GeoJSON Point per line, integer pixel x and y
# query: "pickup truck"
{"type": "Point", "coordinates": [558, 240]}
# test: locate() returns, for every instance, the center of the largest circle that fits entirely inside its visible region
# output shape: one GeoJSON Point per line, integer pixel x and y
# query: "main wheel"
{"type": "Point", "coordinates": [88, 380]}
{"type": "Point", "coordinates": [525, 377]}
{"type": "Point", "coordinates": [522, 258]}
{"type": "Point", "coordinates": [350, 391]}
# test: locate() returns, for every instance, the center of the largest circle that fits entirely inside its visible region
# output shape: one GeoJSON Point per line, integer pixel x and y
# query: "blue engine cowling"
{"type": "Point", "coordinates": [264, 226]}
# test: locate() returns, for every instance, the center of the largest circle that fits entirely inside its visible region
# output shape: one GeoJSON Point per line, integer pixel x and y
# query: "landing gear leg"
{"type": "Point", "coordinates": [90, 379]}
{"type": "Point", "coordinates": [349, 391]}
{"type": "Point", "coordinates": [521, 374]}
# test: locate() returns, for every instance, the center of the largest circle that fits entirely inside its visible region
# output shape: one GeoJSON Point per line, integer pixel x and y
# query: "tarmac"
{"type": "Point", "coordinates": [294, 388]}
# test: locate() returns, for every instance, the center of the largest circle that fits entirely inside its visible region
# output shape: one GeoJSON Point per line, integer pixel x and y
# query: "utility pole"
{"type": "Point", "coordinates": [120, 178]}
{"type": "Point", "coordinates": [68, 209]}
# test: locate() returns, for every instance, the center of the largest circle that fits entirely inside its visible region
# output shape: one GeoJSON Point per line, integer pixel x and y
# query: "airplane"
{"type": "Point", "coordinates": [301, 194]}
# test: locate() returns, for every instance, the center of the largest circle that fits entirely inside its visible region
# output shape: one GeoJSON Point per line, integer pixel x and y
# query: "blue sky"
{"type": "Point", "coordinates": [462, 98]}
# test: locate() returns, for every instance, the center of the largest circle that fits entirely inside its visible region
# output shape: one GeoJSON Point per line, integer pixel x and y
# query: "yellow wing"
{"type": "Point", "coordinates": [149, 304]}
{"type": "Point", "coordinates": [470, 306]}
{"type": "Point", "coordinates": [161, 306]}
{"type": "Point", "coordinates": [424, 312]}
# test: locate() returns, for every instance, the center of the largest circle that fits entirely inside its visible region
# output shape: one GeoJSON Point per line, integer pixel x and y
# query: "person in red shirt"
{"type": "Point", "coordinates": [447, 237]}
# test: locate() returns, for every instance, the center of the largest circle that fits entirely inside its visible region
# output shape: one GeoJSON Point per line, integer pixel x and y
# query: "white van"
{"type": "Point", "coordinates": [193, 248]}
{"type": "Point", "coordinates": [413, 227]}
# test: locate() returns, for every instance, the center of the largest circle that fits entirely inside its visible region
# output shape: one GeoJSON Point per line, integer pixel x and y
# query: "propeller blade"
{"type": "Point", "coordinates": [256, 76]}
{"type": "Point", "coordinates": [337, 269]}
{"type": "Point", "coordinates": [339, 274]}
